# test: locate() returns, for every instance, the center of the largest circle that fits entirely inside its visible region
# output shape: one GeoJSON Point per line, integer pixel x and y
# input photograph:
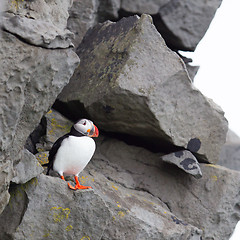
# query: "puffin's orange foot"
{"type": "Point", "coordinates": [78, 185]}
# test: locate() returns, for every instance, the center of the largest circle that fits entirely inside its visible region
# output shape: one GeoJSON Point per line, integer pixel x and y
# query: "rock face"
{"type": "Point", "coordinates": [138, 86]}
{"type": "Point", "coordinates": [147, 198]}
{"type": "Point", "coordinates": [108, 10]}
{"type": "Point", "coordinates": [139, 215]}
{"type": "Point", "coordinates": [83, 15]}
{"type": "Point", "coordinates": [50, 210]}
{"type": "Point", "coordinates": [186, 22]}
{"type": "Point", "coordinates": [40, 23]}
{"type": "Point", "coordinates": [27, 168]}
{"type": "Point", "coordinates": [31, 78]}
{"type": "Point", "coordinates": [57, 126]}
{"type": "Point", "coordinates": [181, 23]}
{"type": "Point", "coordinates": [135, 89]}
{"type": "Point", "coordinates": [143, 6]}
{"type": "Point", "coordinates": [230, 153]}
{"type": "Point", "coordinates": [209, 203]}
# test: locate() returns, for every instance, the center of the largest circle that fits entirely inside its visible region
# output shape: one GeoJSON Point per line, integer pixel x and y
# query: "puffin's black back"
{"type": "Point", "coordinates": [57, 145]}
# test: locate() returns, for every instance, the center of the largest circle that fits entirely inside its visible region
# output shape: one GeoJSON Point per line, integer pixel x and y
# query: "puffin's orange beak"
{"type": "Point", "coordinates": [96, 132]}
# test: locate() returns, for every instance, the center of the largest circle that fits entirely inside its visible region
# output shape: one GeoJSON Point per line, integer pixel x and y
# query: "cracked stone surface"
{"type": "Point", "coordinates": [45, 208]}
{"type": "Point", "coordinates": [143, 90]}
{"type": "Point", "coordinates": [136, 213]}
{"type": "Point", "coordinates": [39, 23]}
{"type": "Point", "coordinates": [136, 183]}
{"type": "Point", "coordinates": [130, 83]}
{"type": "Point", "coordinates": [210, 203]}
{"type": "Point", "coordinates": [82, 16]}
{"type": "Point", "coordinates": [27, 168]}
{"type": "Point", "coordinates": [31, 78]}
{"type": "Point", "coordinates": [143, 6]}
{"type": "Point", "coordinates": [184, 23]}
{"type": "Point", "coordinates": [139, 215]}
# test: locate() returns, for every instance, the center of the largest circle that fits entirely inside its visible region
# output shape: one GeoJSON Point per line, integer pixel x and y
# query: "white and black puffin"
{"type": "Point", "coordinates": [71, 153]}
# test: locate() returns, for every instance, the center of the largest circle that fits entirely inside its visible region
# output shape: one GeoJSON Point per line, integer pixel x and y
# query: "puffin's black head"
{"type": "Point", "coordinates": [86, 127]}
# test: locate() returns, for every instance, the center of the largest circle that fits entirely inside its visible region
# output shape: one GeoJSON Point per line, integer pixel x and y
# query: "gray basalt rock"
{"type": "Point", "coordinates": [37, 33]}
{"type": "Point", "coordinates": [210, 203]}
{"type": "Point", "coordinates": [40, 23]}
{"type": "Point", "coordinates": [54, 11]}
{"type": "Point", "coordinates": [138, 214]}
{"type": "Point", "coordinates": [31, 83]}
{"type": "Point", "coordinates": [45, 208]}
{"type": "Point", "coordinates": [131, 83]}
{"type": "Point", "coordinates": [57, 126]}
{"type": "Point", "coordinates": [184, 160]}
{"type": "Point", "coordinates": [31, 78]}
{"type": "Point", "coordinates": [27, 168]}
{"type": "Point", "coordinates": [143, 6]}
{"type": "Point", "coordinates": [6, 174]}
{"type": "Point", "coordinates": [181, 23]}
{"type": "Point", "coordinates": [184, 23]}
{"type": "Point", "coordinates": [108, 10]}
{"type": "Point", "coordinates": [82, 16]}
{"type": "Point", "coordinates": [230, 153]}
{"type": "Point", "coordinates": [192, 70]}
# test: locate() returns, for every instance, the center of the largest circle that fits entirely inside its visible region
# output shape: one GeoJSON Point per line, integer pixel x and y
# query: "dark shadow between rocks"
{"type": "Point", "coordinates": [72, 110]}
{"type": "Point", "coordinates": [13, 214]}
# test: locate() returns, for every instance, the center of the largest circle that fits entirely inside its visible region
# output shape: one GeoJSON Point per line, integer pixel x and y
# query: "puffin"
{"type": "Point", "coordinates": [71, 153]}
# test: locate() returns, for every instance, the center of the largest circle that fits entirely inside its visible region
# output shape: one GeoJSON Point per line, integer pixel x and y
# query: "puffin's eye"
{"type": "Point", "coordinates": [85, 123]}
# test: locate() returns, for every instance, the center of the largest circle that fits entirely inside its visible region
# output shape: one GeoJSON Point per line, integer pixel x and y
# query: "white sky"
{"type": "Point", "coordinates": [218, 55]}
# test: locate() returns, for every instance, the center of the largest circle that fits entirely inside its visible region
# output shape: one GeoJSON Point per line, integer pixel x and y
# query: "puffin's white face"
{"type": "Point", "coordinates": [86, 127]}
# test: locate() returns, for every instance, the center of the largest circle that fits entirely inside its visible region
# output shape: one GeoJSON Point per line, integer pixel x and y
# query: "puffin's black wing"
{"type": "Point", "coordinates": [53, 152]}
{"type": "Point", "coordinates": [57, 145]}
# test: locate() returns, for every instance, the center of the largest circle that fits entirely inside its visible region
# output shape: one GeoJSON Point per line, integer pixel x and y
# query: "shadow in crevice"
{"type": "Point", "coordinates": [13, 214]}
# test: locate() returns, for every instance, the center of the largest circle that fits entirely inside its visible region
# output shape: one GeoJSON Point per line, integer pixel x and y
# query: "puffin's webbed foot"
{"type": "Point", "coordinates": [78, 185]}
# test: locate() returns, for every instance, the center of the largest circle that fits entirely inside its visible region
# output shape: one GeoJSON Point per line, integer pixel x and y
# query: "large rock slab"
{"type": "Point", "coordinates": [138, 214]}
{"type": "Point", "coordinates": [46, 208]}
{"type": "Point", "coordinates": [31, 78]}
{"type": "Point", "coordinates": [210, 203]}
{"type": "Point", "coordinates": [184, 23]}
{"type": "Point", "coordinates": [181, 23]}
{"type": "Point", "coordinates": [40, 23]}
{"type": "Point", "coordinates": [131, 83]}
{"type": "Point", "coordinates": [30, 85]}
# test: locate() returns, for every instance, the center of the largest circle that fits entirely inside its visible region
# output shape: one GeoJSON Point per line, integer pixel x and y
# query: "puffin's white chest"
{"type": "Point", "coordinates": [73, 155]}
